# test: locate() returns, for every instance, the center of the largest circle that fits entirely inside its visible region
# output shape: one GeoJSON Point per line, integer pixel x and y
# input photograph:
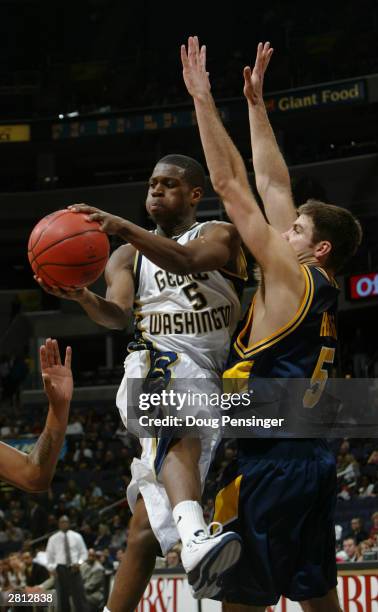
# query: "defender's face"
{"type": "Point", "coordinates": [300, 236]}
{"type": "Point", "coordinates": [169, 196]}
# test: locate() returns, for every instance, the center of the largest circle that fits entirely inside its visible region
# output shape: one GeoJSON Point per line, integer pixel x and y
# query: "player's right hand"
{"type": "Point", "coordinates": [69, 293]}
{"type": "Point", "coordinates": [194, 67]}
{"type": "Point", "coordinates": [254, 79]}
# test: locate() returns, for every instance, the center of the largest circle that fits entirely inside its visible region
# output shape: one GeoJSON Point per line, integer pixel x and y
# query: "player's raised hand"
{"type": "Point", "coordinates": [57, 377]}
{"type": "Point", "coordinates": [68, 293]}
{"type": "Point", "coordinates": [110, 224]}
{"type": "Point", "coordinates": [194, 67]}
{"type": "Point", "coordinates": [254, 79]}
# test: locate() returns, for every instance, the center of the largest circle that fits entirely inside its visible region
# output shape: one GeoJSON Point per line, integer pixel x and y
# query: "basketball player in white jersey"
{"type": "Point", "coordinates": [183, 278]}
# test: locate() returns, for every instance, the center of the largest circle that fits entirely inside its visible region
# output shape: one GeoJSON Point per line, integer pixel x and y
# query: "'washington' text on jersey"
{"type": "Point", "coordinates": [190, 322]}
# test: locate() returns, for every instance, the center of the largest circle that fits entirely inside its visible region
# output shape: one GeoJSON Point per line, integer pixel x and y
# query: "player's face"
{"type": "Point", "coordinates": [169, 197]}
{"type": "Point", "coordinates": [300, 235]}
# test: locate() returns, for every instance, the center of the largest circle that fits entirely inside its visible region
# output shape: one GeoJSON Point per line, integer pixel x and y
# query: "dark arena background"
{"type": "Point", "coordinates": [91, 96]}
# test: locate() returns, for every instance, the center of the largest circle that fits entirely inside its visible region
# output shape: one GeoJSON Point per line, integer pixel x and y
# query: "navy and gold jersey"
{"type": "Point", "coordinates": [279, 494]}
{"type": "Point", "coordinates": [301, 349]}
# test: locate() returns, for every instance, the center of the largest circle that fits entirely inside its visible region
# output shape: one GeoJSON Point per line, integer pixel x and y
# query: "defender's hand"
{"type": "Point", "coordinates": [110, 224]}
{"type": "Point", "coordinates": [254, 79]}
{"type": "Point", "coordinates": [57, 378]}
{"type": "Point", "coordinates": [194, 68]}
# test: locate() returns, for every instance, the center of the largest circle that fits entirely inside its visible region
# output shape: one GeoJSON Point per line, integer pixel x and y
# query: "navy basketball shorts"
{"type": "Point", "coordinates": [280, 496]}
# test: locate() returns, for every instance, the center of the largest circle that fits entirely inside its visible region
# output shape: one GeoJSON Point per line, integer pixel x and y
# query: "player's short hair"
{"type": "Point", "coordinates": [338, 226]}
{"type": "Point", "coordinates": [193, 171]}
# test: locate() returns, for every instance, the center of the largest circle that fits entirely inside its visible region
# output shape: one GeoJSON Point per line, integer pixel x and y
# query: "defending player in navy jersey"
{"type": "Point", "coordinates": [182, 284]}
{"type": "Point", "coordinates": [280, 496]}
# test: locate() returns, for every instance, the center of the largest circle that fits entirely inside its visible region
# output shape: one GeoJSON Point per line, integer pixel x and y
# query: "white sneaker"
{"type": "Point", "coordinates": [208, 557]}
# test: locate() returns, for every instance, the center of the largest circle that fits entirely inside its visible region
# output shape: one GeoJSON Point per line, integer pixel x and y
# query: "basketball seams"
{"type": "Point", "coordinates": [71, 265]}
{"type": "Point", "coordinates": [55, 216]}
{"type": "Point", "coordinates": [90, 231]}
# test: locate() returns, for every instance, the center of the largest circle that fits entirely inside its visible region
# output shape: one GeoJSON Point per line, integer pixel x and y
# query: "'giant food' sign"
{"type": "Point", "coordinates": [363, 286]}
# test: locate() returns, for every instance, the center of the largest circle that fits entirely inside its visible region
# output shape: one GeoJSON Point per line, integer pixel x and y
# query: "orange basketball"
{"type": "Point", "coordinates": [66, 250]}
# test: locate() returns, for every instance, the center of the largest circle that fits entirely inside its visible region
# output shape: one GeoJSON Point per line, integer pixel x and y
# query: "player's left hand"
{"type": "Point", "coordinates": [57, 378]}
{"type": "Point", "coordinates": [194, 67]}
{"type": "Point", "coordinates": [254, 79]}
{"type": "Point", "coordinates": [110, 224]}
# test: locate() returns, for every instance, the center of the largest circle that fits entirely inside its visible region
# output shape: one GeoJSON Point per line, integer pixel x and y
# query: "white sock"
{"type": "Point", "coordinates": [106, 609]}
{"type": "Point", "coordinates": [188, 516]}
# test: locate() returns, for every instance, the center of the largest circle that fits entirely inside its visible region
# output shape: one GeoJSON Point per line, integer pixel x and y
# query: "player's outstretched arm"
{"type": "Point", "coordinates": [35, 471]}
{"type": "Point", "coordinates": [218, 245]}
{"type": "Point", "coordinates": [229, 176]}
{"type": "Point", "coordinates": [271, 172]}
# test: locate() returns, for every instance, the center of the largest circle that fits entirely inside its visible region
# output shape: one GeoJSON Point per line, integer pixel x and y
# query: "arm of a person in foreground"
{"type": "Point", "coordinates": [34, 471]}
{"type": "Point", "coordinates": [217, 245]}
{"type": "Point", "coordinates": [271, 172]}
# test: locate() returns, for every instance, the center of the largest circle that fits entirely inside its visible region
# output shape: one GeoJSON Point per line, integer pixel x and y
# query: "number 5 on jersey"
{"type": "Point", "coordinates": [197, 299]}
{"type": "Point", "coordinates": [319, 377]}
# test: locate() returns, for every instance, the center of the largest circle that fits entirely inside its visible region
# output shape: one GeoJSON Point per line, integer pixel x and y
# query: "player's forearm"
{"type": "Point", "coordinates": [104, 312]}
{"type": "Point", "coordinates": [164, 252]}
{"type": "Point", "coordinates": [222, 158]}
{"type": "Point", "coordinates": [271, 172]}
{"type": "Point", "coordinates": [45, 454]}
{"type": "Point", "coordinates": [33, 472]}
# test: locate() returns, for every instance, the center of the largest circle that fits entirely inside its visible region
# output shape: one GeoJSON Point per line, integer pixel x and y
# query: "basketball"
{"type": "Point", "coordinates": [66, 250]}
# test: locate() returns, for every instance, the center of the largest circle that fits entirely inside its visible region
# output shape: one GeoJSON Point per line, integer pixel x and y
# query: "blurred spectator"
{"type": "Point", "coordinates": [366, 488]}
{"type": "Point", "coordinates": [357, 531]}
{"type": "Point", "coordinates": [16, 574]}
{"type": "Point", "coordinates": [93, 575]}
{"type": "Point", "coordinates": [119, 554]}
{"type": "Point", "coordinates": [350, 548]}
{"type": "Point", "coordinates": [106, 560]}
{"type": "Point", "coordinates": [34, 572]}
{"type": "Point", "coordinates": [364, 547]}
{"type": "Point", "coordinates": [103, 537]}
{"type": "Point", "coordinates": [374, 529]}
{"type": "Point", "coordinates": [88, 534]}
{"type": "Point", "coordinates": [338, 533]}
{"type": "Point", "coordinates": [15, 534]}
{"type": "Point", "coordinates": [75, 426]}
{"type": "Point", "coordinates": [172, 559]}
{"type": "Point", "coordinates": [118, 533]}
{"type": "Point", "coordinates": [4, 574]}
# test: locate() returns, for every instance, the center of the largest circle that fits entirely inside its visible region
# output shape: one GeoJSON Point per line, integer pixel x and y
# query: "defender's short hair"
{"type": "Point", "coordinates": [193, 171]}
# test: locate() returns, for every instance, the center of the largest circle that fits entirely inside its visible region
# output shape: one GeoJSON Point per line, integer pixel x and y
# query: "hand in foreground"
{"type": "Point", "coordinates": [194, 67]}
{"type": "Point", "coordinates": [254, 79]}
{"type": "Point", "coordinates": [110, 224]}
{"type": "Point", "coordinates": [57, 378]}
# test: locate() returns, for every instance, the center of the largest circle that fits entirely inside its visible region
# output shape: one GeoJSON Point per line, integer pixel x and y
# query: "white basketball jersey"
{"type": "Point", "coordinates": [195, 314]}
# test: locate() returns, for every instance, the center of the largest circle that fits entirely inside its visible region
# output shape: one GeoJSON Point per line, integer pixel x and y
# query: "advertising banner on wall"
{"type": "Point", "coordinates": [357, 593]}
